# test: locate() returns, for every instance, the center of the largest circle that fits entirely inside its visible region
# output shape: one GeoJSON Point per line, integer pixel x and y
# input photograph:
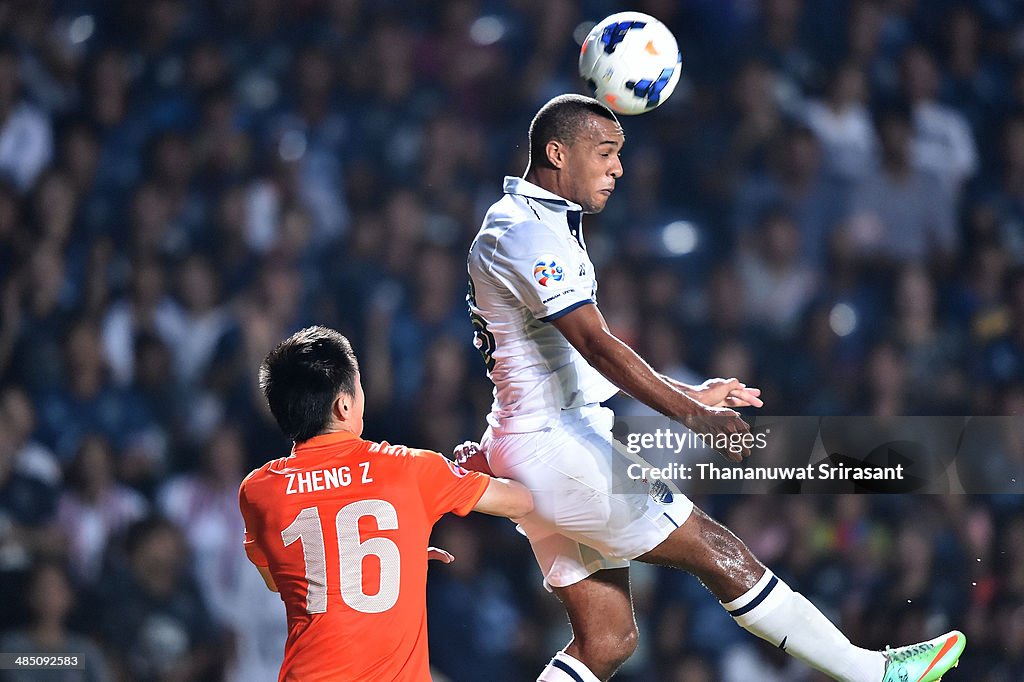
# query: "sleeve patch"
{"type": "Point", "coordinates": [456, 469]}
{"type": "Point", "coordinates": [548, 271]}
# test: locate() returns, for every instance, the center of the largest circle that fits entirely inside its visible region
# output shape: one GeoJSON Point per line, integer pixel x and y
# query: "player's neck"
{"type": "Point", "coordinates": [338, 427]}
{"type": "Point", "coordinates": [545, 178]}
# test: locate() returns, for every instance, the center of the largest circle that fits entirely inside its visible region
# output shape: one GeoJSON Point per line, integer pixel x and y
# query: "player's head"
{"type": "Point", "coordinates": [311, 382]}
{"type": "Point", "coordinates": [574, 150]}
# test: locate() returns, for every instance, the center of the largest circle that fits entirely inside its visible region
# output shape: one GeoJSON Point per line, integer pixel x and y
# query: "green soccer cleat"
{"type": "Point", "coordinates": [924, 662]}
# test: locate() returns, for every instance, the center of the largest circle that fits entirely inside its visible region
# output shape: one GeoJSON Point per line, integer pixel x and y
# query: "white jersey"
{"type": "Point", "coordinates": [528, 266]}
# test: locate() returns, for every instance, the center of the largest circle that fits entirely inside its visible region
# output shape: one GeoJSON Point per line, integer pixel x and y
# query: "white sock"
{"type": "Point", "coordinates": [784, 618]}
{"type": "Point", "coordinates": [565, 668]}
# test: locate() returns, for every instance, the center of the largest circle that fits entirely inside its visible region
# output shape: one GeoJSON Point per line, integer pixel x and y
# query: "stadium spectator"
{"type": "Point", "coordinates": [95, 507]}
{"type": "Point", "coordinates": [972, 79]}
{"type": "Point", "coordinates": [867, 44]}
{"type": "Point", "coordinates": [779, 286]}
{"type": "Point", "coordinates": [884, 384]}
{"type": "Point", "coordinates": [441, 411]}
{"type": "Point", "coordinates": [171, 168]}
{"type": "Point", "coordinates": [844, 127]}
{"type": "Point", "coordinates": [121, 135]}
{"type": "Point", "coordinates": [979, 306]}
{"type": "Point", "coordinates": [428, 311]}
{"type": "Point", "coordinates": [147, 309]}
{"type": "Point", "coordinates": [1005, 198]}
{"type": "Point", "coordinates": [152, 616]}
{"type": "Point", "coordinates": [152, 232]}
{"type": "Point", "coordinates": [665, 345]}
{"type": "Point", "coordinates": [46, 299]}
{"type": "Point", "coordinates": [776, 37]}
{"type": "Point", "coordinates": [1003, 357]}
{"type": "Point", "coordinates": [311, 135]}
{"type": "Point", "coordinates": [759, 119]}
{"type": "Point", "coordinates": [26, 140]}
{"type": "Point", "coordinates": [722, 314]}
{"type": "Point", "coordinates": [228, 245]}
{"type": "Point", "coordinates": [902, 214]}
{"type": "Point", "coordinates": [204, 321]}
{"type": "Point", "coordinates": [80, 161]}
{"type": "Point", "coordinates": [943, 142]}
{"type": "Point", "coordinates": [204, 505]}
{"type": "Point", "coordinates": [51, 601]}
{"type": "Point", "coordinates": [18, 419]}
{"type": "Point", "coordinates": [933, 351]}
{"type": "Point", "coordinates": [87, 401]}
{"type": "Point", "coordinates": [474, 606]}
{"type": "Point", "coordinates": [794, 181]}
{"type": "Point", "coordinates": [27, 506]}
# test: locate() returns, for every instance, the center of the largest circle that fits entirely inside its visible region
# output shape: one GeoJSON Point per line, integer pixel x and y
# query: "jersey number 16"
{"type": "Point", "coordinates": [307, 528]}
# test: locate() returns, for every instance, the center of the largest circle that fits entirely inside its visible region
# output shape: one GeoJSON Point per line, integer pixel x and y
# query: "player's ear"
{"type": "Point", "coordinates": [342, 406]}
{"type": "Point", "coordinates": [555, 151]}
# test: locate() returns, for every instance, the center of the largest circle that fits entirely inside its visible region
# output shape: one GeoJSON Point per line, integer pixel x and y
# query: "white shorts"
{"type": "Point", "coordinates": [588, 514]}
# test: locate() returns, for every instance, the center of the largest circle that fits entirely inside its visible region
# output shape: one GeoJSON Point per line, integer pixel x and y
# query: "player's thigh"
{"type": "Point", "coordinates": [581, 489]}
{"type": "Point", "coordinates": [711, 552]}
{"type": "Point", "coordinates": [600, 608]}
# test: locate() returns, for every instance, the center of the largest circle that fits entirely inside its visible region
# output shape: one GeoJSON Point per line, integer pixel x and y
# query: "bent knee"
{"type": "Point", "coordinates": [610, 649]}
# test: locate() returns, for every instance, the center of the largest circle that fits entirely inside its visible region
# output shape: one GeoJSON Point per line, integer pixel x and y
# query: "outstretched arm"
{"type": "Point", "coordinates": [502, 497]}
{"type": "Point", "coordinates": [721, 392]}
{"type": "Point", "coordinates": [585, 328]}
{"type": "Point", "coordinates": [505, 498]}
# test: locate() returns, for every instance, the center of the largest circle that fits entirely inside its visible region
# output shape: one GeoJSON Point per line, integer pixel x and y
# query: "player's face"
{"type": "Point", "coordinates": [593, 163]}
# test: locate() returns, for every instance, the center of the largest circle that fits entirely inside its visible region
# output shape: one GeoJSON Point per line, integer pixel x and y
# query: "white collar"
{"type": "Point", "coordinates": [523, 187]}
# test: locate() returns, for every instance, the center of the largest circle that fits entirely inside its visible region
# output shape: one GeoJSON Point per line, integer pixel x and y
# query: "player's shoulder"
{"type": "Point", "coordinates": [516, 236]}
{"type": "Point", "coordinates": [262, 472]}
{"type": "Point", "coordinates": [386, 449]}
{"type": "Point", "coordinates": [407, 463]}
{"type": "Point", "coordinates": [405, 455]}
{"type": "Point", "coordinates": [399, 453]}
{"type": "Point", "coordinates": [516, 213]}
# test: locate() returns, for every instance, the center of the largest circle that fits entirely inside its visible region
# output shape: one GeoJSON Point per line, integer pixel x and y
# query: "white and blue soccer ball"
{"type": "Point", "coordinates": [631, 62]}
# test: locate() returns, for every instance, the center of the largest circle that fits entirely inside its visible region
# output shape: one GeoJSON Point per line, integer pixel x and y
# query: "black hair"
{"type": "Point", "coordinates": [562, 119]}
{"type": "Point", "coordinates": [302, 377]}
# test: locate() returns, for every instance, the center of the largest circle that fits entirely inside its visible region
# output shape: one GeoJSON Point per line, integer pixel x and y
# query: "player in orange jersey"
{"type": "Point", "coordinates": [340, 527]}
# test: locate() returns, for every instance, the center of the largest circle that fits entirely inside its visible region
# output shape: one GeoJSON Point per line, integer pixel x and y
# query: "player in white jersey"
{"type": "Point", "coordinates": [548, 350]}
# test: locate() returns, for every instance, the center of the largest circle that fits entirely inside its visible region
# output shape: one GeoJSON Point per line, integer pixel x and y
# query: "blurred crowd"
{"type": "Point", "coordinates": [831, 207]}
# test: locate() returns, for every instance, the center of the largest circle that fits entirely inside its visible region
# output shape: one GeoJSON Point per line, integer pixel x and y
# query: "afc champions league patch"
{"type": "Point", "coordinates": [548, 271]}
{"type": "Point", "coordinates": [456, 469]}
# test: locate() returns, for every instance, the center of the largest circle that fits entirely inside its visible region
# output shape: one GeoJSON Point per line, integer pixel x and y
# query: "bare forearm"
{"type": "Point", "coordinates": [621, 365]}
{"type": "Point", "coordinates": [503, 497]}
{"type": "Point", "coordinates": [680, 386]}
{"type": "Point", "coordinates": [587, 331]}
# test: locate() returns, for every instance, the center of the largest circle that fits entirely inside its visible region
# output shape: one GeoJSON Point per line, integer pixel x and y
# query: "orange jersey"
{"type": "Point", "coordinates": [343, 525]}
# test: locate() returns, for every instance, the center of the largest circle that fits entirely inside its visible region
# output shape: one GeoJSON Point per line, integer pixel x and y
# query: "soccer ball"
{"type": "Point", "coordinates": [631, 62]}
